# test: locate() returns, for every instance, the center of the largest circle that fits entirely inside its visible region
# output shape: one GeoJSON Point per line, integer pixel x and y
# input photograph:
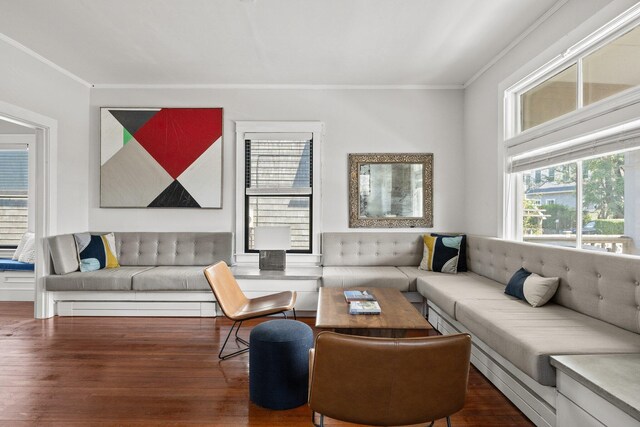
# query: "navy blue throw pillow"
{"type": "Point", "coordinates": [462, 257]}
{"type": "Point", "coordinates": [515, 287]}
{"type": "Point", "coordinates": [531, 287]}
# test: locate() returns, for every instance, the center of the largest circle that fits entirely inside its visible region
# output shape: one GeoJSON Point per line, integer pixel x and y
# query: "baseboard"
{"type": "Point", "coordinates": [138, 304]}
{"type": "Point", "coordinates": [17, 286]}
{"type": "Point", "coordinates": [135, 308]}
{"type": "Point", "coordinates": [17, 294]}
{"type": "Point", "coordinates": [536, 401]}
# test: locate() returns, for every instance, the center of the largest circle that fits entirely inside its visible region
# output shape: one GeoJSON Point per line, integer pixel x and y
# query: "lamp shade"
{"type": "Point", "coordinates": [272, 238]}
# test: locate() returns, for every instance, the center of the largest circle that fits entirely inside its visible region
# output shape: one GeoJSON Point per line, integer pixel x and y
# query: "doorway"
{"type": "Point", "coordinates": [17, 239]}
{"type": "Point", "coordinates": [41, 194]}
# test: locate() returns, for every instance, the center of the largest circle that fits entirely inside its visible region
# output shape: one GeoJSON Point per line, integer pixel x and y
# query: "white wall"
{"type": "Point", "coordinates": [28, 83]}
{"type": "Point", "coordinates": [356, 121]}
{"type": "Point", "coordinates": [482, 105]}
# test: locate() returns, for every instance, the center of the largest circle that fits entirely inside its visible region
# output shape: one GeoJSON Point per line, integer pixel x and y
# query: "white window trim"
{"type": "Point", "coordinates": [317, 129]}
{"type": "Point", "coordinates": [613, 112]}
{"type": "Point", "coordinates": [574, 54]}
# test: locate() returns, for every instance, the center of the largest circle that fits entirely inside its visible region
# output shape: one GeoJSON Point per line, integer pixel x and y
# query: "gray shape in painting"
{"type": "Point", "coordinates": [131, 178]}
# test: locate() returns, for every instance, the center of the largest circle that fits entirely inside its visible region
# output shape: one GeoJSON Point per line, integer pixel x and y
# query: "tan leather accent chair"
{"type": "Point", "coordinates": [237, 307]}
{"type": "Point", "coordinates": [388, 381]}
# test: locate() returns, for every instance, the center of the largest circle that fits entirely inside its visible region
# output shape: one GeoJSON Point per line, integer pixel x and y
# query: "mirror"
{"type": "Point", "coordinates": [390, 190]}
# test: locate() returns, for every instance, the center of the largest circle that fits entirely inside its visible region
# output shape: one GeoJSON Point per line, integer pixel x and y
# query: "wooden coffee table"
{"type": "Point", "coordinates": [398, 317]}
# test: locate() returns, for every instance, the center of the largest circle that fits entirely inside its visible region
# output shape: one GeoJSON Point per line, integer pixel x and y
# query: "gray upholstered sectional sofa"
{"type": "Point", "coordinates": [596, 309]}
{"type": "Point", "coordinates": [372, 259]}
{"type": "Point", "coordinates": [159, 261]}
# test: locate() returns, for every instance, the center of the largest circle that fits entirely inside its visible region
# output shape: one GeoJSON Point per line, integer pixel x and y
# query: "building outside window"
{"type": "Point", "coordinates": [601, 204]}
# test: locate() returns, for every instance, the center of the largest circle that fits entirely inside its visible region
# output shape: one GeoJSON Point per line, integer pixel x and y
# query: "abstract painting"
{"type": "Point", "coordinates": [161, 157]}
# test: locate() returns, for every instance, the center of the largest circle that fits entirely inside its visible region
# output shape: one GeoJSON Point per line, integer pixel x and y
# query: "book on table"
{"type": "Point", "coordinates": [358, 296]}
{"type": "Point", "coordinates": [364, 307]}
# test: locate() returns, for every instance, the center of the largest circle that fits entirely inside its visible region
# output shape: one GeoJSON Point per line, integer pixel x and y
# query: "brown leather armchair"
{"type": "Point", "coordinates": [388, 381]}
{"type": "Point", "coordinates": [237, 307]}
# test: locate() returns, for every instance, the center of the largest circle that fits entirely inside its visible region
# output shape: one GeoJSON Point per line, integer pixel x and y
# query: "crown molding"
{"type": "Point", "coordinates": [548, 14]}
{"type": "Point", "coordinates": [11, 42]}
{"type": "Point", "coordinates": [278, 86]}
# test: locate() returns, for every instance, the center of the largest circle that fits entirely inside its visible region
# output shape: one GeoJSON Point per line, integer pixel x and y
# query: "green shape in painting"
{"type": "Point", "coordinates": [126, 136]}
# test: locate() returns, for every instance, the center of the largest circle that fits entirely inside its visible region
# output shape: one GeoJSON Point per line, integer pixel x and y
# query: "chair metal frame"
{"type": "Point", "coordinates": [241, 305]}
{"type": "Point", "coordinates": [242, 340]}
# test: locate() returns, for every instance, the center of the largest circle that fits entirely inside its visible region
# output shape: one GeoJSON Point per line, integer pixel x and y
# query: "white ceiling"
{"type": "Point", "coordinates": [332, 42]}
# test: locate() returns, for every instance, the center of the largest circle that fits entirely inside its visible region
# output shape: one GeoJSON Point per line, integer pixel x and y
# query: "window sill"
{"type": "Point", "coordinates": [298, 260]}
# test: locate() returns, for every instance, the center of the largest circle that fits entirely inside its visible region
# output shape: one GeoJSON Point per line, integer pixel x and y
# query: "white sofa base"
{"type": "Point", "coordinates": [132, 303]}
{"type": "Point", "coordinates": [536, 401]}
{"type": "Point", "coordinates": [17, 286]}
{"type": "Point", "coordinates": [183, 304]}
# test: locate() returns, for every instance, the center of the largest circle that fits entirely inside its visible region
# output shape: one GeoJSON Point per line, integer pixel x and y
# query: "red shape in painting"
{"type": "Point", "coordinates": [176, 137]}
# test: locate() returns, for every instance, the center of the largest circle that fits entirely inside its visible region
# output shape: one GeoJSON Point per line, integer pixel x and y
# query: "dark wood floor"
{"type": "Point", "coordinates": [105, 371]}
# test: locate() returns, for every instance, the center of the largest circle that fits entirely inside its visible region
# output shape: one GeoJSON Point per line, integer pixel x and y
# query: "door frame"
{"type": "Point", "coordinates": [45, 194]}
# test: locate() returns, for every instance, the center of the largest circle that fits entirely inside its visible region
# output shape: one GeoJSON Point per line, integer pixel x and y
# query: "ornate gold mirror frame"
{"type": "Point", "coordinates": [391, 190]}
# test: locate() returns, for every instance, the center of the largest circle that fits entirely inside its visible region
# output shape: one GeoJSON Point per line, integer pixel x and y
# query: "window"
{"type": "Point", "coordinates": [572, 145]}
{"type": "Point", "coordinates": [552, 98]}
{"type": "Point", "coordinates": [14, 179]}
{"type": "Point", "coordinates": [606, 183]}
{"type": "Point", "coordinates": [603, 65]}
{"type": "Point", "coordinates": [279, 186]}
{"type": "Point", "coordinates": [278, 183]}
{"type": "Point", "coordinates": [612, 68]}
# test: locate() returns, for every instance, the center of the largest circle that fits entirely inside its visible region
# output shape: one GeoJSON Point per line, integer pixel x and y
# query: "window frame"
{"type": "Point", "coordinates": [513, 135]}
{"type": "Point", "coordinates": [244, 256]}
{"type": "Point", "coordinates": [22, 142]}
{"type": "Point", "coordinates": [278, 193]}
{"type": "Point", "coordinates": [613, 117]}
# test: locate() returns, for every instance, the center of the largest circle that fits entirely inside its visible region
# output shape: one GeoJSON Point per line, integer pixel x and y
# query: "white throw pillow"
{"type": "Point", "coordinates": [539, 290]}
{"type": "Point", "coordinates": [20, 248]}
{"type": "Point", "coordinates": [28, 253]}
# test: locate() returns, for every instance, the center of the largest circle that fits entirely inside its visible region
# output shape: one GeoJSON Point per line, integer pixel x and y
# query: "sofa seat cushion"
{"type": "Point", "coordinates": [113, 279]}
{"type": "Point", "coordinates": [413, 273]}
{"type": "Point", "coordinates": [171, 278]}
{"type": "Point", "coordinates": [527, 336]}
{"type": "Point", "coordinates": [445, 290]}
{"type": "Point", "coordinates": [375, 277]}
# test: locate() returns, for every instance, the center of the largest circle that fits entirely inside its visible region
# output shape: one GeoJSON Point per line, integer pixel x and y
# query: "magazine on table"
{"type": "Point", "coordinates": [358, 296]}
{"type": "Point", "coordinates": [364, 307]}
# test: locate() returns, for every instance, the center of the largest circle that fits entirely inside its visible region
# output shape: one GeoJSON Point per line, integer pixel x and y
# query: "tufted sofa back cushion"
{"type": "Point", "coordinates": [598, 284]}
{"type": "Point", "coordinates": [372, 248]}
{"type": "Point", "coordinates": [163, 248]}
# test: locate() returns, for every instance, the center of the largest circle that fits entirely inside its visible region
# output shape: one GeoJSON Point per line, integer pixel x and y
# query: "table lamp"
{"type": "Point", "coordinates": [272, 242]}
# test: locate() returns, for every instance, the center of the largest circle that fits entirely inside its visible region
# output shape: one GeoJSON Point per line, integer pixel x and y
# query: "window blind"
{"type": "Point", "coordinates": [14, 187]}
{"type": "Point", "coordinates": [575, 150]}
{"type": "Point", "coordinates": [279, 185]}
{"type": "Point", "coordinates": [274, 167]}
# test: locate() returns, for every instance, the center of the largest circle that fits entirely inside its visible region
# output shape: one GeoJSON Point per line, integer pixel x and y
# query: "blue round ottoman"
{"type": "Point", "coordinates": [279, 363]}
